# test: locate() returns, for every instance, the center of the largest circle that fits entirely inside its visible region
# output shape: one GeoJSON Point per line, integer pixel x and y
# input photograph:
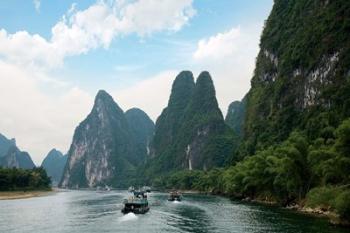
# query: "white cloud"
{"type": "Point", "coordinates": [151, 95]}
{"type": "Point", "coordinates": [81, 31]}
{"type": "Point", "coordinates": [230, 58]}
{"type": "Point", "coordinates": [37, 5]}
{"type": "Point", "coordinates": [42, 111]}
{"type": "Point", "coordinates": [25, 49]}
{"type": "Point", "coordinates": [147, 16]}
{"type": "Point", "coordinates": [39, 121]}
{"type": "Point", "coordinates": [218, 46]}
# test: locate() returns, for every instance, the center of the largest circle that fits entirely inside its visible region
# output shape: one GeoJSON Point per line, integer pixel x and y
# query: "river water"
{"type": "Point", "coordinates": [89, 211]}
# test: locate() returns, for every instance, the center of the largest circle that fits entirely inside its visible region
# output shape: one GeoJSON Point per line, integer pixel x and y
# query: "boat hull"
{"type": "Point", "coordinates": [142, 210]}
{"type": "Point", "coordinates": [174, 199]}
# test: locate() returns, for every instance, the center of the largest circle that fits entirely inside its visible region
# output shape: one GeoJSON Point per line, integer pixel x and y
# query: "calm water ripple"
{"type": "Point", "coordinates": [89, 211]}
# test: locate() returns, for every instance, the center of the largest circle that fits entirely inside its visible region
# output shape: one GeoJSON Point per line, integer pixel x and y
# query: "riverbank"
{"type": "Point", "coordinates": [332, 216]}
{"type": "Point", "coordinates": [300, 207]}
{"type": "Point", "coordinates": [13, 195]}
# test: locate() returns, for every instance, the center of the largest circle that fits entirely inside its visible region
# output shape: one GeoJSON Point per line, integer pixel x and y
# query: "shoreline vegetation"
{"type": "Point", "coordinates": [18, 183]}
{"type": "Point", "coordinates": [310, 175]}
{"type": "Point", "coordinates": [301, 207]}
{"type": "Point", "coordinates": [332, 216]}
{"type": "Point", "coordinates": [14, 195]}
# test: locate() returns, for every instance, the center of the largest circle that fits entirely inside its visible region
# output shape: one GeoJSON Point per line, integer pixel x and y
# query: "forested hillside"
{"type": "Point", "coordinates": [302, 72]}
{"type": "Point", "coordinates": [235, 116]}
{"type": "Point", "coordinates": [296, 133]}
{"type": "Point", "coordinates": [190, 133]}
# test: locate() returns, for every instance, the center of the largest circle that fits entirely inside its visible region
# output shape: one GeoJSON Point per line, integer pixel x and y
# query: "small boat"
{"type": "Point", "coordinates": [131, 189]}
{"type": "Point", "coordinates": [174, 196]}
{"type": "Point", "coordinates": [137, 204]}
{"type": "Point", "coordinates": [103, 189]}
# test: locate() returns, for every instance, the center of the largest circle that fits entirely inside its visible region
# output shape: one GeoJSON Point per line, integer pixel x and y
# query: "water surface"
{"type": "Point", "coordinates": [89, 211]}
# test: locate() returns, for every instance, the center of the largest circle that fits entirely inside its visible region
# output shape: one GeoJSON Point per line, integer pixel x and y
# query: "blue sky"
{"type": "Point", "coordinates": [56, 54]}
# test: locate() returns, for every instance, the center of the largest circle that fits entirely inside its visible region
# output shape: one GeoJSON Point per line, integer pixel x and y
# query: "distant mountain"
{"type": "Point", "coordinates": [104, 149]}
{"type": "Point", "coordinates": [11, 156]}
{"type": "Point", "coordinates": [191, 132]}
{"type": "Point", "coordinates": [235, 116]}
{"type": "Point", "coordinates": [5, 144]}
{"type": "Point", "coordinates": [142, 128]}
{"type": "Point", "coordinates": [54, 164]}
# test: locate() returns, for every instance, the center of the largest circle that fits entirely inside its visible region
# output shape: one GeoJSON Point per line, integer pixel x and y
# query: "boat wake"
{"type": "Point", "coordinates": [128, 217]}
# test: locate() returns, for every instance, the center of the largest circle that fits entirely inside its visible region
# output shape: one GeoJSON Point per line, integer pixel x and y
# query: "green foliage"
{"type": "Point", "coordinates": [141, 129]}
{"type": "Point", "coordinates": [12, 179]}
{"type": "Point", "coordinates": [331, 198]}
{"type": "Point", "coordinates": [329, 157]}
{"type": "Point", "coordinates": [342, 204]}
{"type": "Point", "coordinates": [169, 121]}
{"type": "Point", "coordinates": [206, 181]}
{"type": "Point", "coordinates": [322, 197]}
{"type": "Point", "coordinates": [299, 41]}
{"type": "Point", "coordinates": [343, 135]}
{"type": "Point", "coordinates": [289, 170]}
{"type": "Point", "coordinates": [296, 131]}
{"type": "Point", "coordinates": [191, 129]}
{"type": "Point", "coordinates": [277, 171]}
{"type": "Point", "coordinates": [284, 173]}
{"type": "Point", "coordinates": [235, 116]}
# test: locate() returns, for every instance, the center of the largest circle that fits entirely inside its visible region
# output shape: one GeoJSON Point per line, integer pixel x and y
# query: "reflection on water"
{"type": "Point", "coordinates": [88, 211]}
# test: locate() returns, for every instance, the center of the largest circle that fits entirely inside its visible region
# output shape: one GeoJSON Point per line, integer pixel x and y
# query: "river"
{"type": "Point", "coordinates": [92, 212]}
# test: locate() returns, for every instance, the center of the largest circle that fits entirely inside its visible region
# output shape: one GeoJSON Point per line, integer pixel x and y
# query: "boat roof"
{"type": "Point", "coordinates": [138, 201]}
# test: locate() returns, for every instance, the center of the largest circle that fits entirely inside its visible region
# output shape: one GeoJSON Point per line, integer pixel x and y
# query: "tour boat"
{"type": "Point", "coordinates": [137, 204]}
{"type": "Point", "coordinates": [103, 189]}
{"type": "Point", "coordinates": [174, 196]}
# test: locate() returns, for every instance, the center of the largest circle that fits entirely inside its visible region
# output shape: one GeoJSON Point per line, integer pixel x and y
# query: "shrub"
{"type": "Point", "coordinates": [321, 197]}
{"type": "Point", "coordinates": [342, 204]}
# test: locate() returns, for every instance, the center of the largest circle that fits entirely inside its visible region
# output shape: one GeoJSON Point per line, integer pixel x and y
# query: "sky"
{"type": "Point", "coordinates": [56, 54]}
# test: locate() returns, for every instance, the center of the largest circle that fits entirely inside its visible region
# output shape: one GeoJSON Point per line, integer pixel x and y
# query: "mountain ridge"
{"type": "Point", "coordinates": [104, 149]}
{"type": "Point", "coordinates": [54, 163]}
{"type": "Point", "coordinates": [11, 156]}
{"type": "Point", "coordinates": [188, 130]}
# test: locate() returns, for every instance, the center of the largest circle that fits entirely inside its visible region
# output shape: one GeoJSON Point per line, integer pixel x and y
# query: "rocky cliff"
{"type": "Point", "coordinates": [11, 156]}
{"type": "Point", "coordinates": [5, 144]}
{"type": "Point", "coordinates": [104, 148]}
{"type": "Point", "coordinates": [16, 158]}
{"type": "Point", "coordinates": [302, 75]}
